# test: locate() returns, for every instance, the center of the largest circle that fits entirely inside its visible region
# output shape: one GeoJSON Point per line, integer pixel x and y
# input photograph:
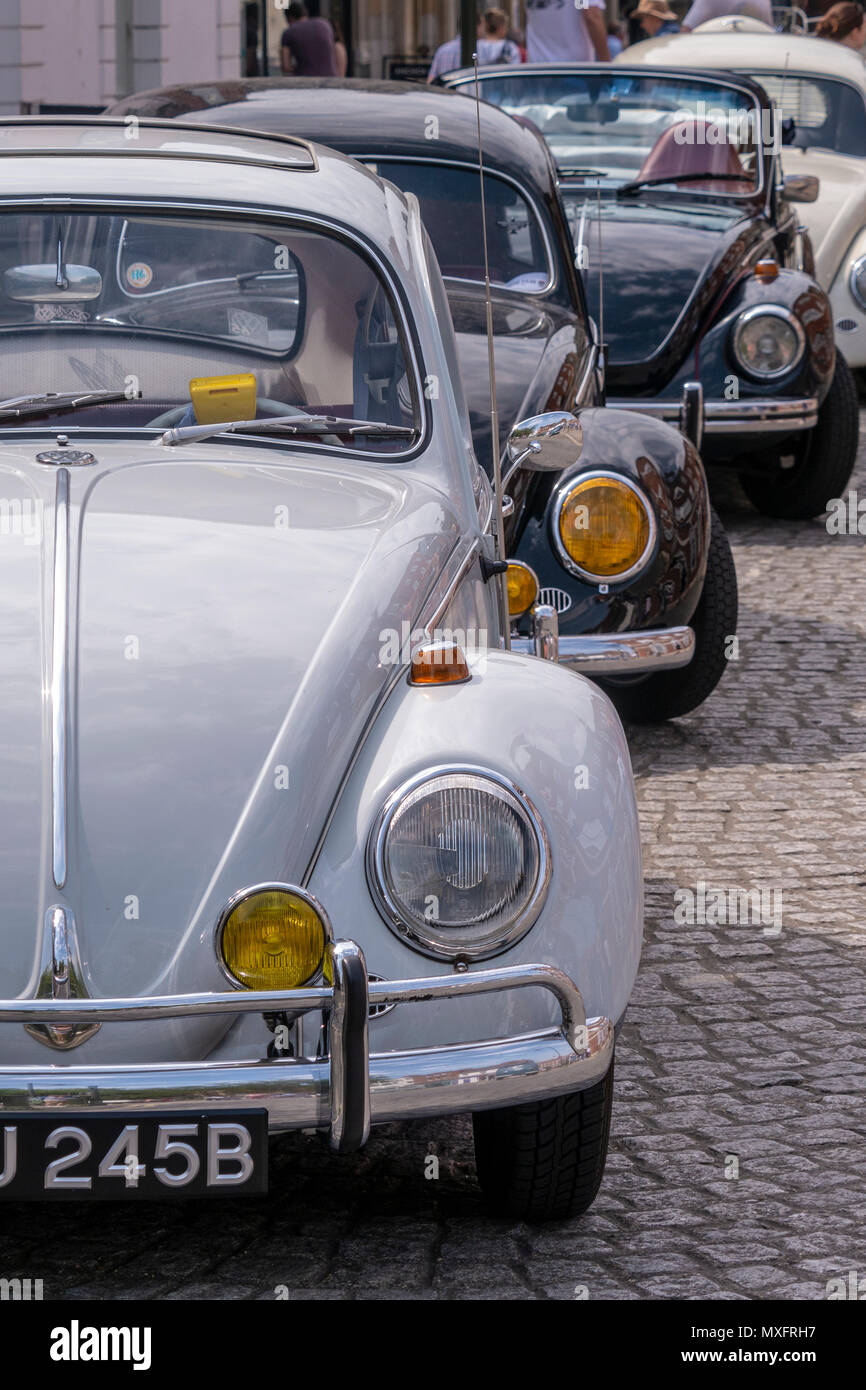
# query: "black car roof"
{"type": "Point", "coordinates": [359, 116]}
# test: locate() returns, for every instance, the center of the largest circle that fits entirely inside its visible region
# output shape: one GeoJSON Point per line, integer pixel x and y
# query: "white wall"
{"type": "Point", "coordinates": [64, 53]}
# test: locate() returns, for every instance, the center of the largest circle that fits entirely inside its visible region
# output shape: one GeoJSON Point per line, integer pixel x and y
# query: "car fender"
{"type": "Point", "coordinates": [559, 739]}
{"type": "Point", "coordinates": [846, 310]}
{"type": "Point", "coordinates": [668, 470]}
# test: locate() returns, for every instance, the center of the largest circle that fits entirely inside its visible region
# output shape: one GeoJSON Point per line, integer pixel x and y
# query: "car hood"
{"type": "Point", "coordinates": [226, 620]}
{"type": "Point", "coordinates": [653, 257]}
{"type": "Point", "coordinates": [840, 211]}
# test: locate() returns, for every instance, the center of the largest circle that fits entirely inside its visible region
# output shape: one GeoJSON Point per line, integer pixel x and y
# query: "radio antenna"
{"type": "Point", "coordinates": [491, 367]}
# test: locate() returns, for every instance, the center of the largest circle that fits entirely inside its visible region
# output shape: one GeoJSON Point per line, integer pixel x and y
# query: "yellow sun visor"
{"type": "Point", "coordinates": [219, 399]}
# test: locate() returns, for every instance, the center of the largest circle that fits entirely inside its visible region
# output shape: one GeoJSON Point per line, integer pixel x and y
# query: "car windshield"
{"type": "Point", "coordinates": [451, 209]}
{"type": "Point", "coordinates": [655, 129]}
{"type": "Point", "coordinates": [184, 320]}
{"type": "Point", "coordinates": [827, 114]}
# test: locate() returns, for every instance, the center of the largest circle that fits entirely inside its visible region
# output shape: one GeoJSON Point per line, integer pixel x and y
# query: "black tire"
{"type": "Point", "coordinates": [824, 458]}
{"type": "Point", "coordinates": [671, 693]}
{"type": "Point", "coordinates": [544, 1161]}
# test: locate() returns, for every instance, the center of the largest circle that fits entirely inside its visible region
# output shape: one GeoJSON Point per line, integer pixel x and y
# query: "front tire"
{"type": "Point", "coordinates": [544, 1161]}
{"type": "Point", "coordinates": [671, 693]}
{"type": "Point", "coordinates": [824, 460]}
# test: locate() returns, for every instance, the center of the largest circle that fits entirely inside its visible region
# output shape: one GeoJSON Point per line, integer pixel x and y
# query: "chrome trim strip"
{"type": "Point", "coordinates": [588, 374]}
{"type": "Point", "coordinates": [61, 976]}
{"type": "Point", "coordinates": [558, 502]}
{"type": "Point", "coordinates": [403, 1085]}
{"type": "Point", "coordinates": [733, 417]}
{"type": "Point", "coordinates": [428, 942]}
{"type": "Point", "coordinates": [621, 653]}
{"type": "Point", "coordinates": [60, 679]}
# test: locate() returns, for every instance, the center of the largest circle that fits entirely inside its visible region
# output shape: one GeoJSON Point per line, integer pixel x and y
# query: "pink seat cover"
{"type": "Point", "coordinates": [693, 146]}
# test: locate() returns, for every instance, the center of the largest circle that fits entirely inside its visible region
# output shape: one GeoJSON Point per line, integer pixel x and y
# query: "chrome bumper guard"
{"type": "Point", "coordinates": [735, 417]}
{"type": "Point", "coordinates": [607, 653]}
{"type": "Point", "coordinates": [342, 1093]}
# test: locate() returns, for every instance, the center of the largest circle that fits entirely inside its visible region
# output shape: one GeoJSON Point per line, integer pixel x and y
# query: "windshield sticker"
{"type": "Point", "coordinates": [243, 324]}
{"type": "Point", "coordinates": [62, 313]}
{"type": "Point", "coordinates": [139, 275]}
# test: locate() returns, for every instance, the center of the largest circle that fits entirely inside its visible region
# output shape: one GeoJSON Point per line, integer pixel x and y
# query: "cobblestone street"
{"type": "Point", "coordinates": [739, 1136]}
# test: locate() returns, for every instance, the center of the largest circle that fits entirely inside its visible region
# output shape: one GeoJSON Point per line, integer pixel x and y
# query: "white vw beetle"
{"type": "Point", "coordinates": [291, 840]}
{"type": "Point", "coordinates": [821, 86]}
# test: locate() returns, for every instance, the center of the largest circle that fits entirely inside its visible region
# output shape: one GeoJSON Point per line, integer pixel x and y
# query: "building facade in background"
{"type": "Point", "coordinates": [67, 55]}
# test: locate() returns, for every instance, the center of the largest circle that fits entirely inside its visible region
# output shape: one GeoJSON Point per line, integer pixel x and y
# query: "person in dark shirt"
{"type": "Point", "coordinates": [307, 47]}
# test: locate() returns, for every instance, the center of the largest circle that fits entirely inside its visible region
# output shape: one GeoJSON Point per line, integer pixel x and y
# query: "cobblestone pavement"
{"type": "Point", "coordinates": [743, 1052]}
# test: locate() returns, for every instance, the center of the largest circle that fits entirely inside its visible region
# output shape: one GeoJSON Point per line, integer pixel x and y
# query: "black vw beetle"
{"type": "Point", "coordinates": [697, 265]}
{"type": "Point", "coordinates": [616, 553]}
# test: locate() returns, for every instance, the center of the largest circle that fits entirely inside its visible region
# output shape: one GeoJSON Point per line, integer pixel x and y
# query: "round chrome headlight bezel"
{"type": "Point", "coordinates": [771, 311]}
{"type": "Point", "coordinates": [857, 268]}
{"type": "Point", "coordinates": [560, 497]}
{"type": "Point", "coordinates": [451, 943]}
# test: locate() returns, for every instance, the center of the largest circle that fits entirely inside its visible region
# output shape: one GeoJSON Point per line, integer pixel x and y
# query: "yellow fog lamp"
{"type": "Point", "coordinates": [522, 588]}
{"type": "Point", "coordinates": [273, 936]}
{"type": "Point", "coordinates": [603, 527]}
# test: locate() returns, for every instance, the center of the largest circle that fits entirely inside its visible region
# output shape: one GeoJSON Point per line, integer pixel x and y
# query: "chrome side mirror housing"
{"type": "Point", "coordinates": [545, 443]}
{"type": "Point", "coordinates": [801, 188]}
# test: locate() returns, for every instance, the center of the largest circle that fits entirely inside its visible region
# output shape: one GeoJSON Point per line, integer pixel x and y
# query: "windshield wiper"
{"type": "Point", "coordinates": [636, 184]}
{"type": "Point", "coordinates": [287, 424]}
{"type": "Point", "coordinates": [53, 402]}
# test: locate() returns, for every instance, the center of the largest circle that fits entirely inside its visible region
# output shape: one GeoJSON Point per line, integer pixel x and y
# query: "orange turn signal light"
{"type": "Point", "coordinates": [766, 269]}
{"type": "Point", "coordinates": [439, 663]}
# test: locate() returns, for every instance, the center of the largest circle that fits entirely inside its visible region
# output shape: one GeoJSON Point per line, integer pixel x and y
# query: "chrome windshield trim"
{"type": "Point", "coordinates": [60, 678]}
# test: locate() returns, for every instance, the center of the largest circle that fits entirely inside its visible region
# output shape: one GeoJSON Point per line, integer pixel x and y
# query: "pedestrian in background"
{"type": "Point", "coordinates": [656, 17]}
{"type": "Point", "coordinates": [342, 53]}
{"type": "Point", "coordinates": [557, 33]}
{"type": "Point", "coordinates": [845, 24]}
{"type": "Point", "coordinates": [307, 46]}
{"type": "Point", "coordinates": [615, 39]}
{"type": "Point", "coordinates": [492, 46]}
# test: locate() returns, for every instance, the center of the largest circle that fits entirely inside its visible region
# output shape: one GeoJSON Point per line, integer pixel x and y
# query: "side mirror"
{"type": "Point", "coordinates": [545, 443]}
{"type": "Point", "coordinates": [34, 283]}
{"type": "Point", "coordinates": [800, 188]}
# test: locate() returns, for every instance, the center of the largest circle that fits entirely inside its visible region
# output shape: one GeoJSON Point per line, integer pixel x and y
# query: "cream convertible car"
{"type": "Point", "coordinates": [821, 86]}
{"type": "Point", "coordinates": [290, 840]}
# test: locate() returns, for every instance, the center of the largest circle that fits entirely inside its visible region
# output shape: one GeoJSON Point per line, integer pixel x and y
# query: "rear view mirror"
{"type": "Point", "coordinates": [545, 443]}
{"type": "Point", "coordinates": [800, 188]}
{"type": "Point", "coordinates": [789, 130]}
{"type": "Point", "coordinates": [31, 283]}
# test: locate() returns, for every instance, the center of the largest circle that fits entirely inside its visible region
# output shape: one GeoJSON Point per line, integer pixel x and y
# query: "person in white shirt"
{"type": "Point", "coordinates": [492, 46]}
{"type": "Point", "coordinates": [573, 31]}
{"type": "Point", "coordinates": [704, 10]}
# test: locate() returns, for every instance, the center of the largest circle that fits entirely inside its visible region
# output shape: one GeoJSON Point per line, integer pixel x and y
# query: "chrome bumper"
{"type": "Point", "coordinates": [342, 1093]}
{"type": "Point", "coordinates": [607, 653]}
{"type": "Point", "coordinates": [736, 417]}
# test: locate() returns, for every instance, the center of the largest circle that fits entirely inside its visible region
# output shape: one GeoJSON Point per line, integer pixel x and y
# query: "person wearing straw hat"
{"type": "Point", "coordinates": [656, 17]}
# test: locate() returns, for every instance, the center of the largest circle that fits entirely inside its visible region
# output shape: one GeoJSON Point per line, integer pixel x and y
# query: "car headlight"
{"type": "Point", "coordinates": [768, 341]}
{"type": "Point", "coordinates": [522, 585]}
{"type": "Point", "coordinates": [459, 863]}
{"type": "Point", "coordinates": [273, 936]}
{"type": "Point", "coordinates": [857, 281]}
{"type": "Point", "coordinates": [603, 527]}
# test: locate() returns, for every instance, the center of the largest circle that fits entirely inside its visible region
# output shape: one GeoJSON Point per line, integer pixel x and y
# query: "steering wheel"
{"type": "Point", "coordinates": [264, 406]}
